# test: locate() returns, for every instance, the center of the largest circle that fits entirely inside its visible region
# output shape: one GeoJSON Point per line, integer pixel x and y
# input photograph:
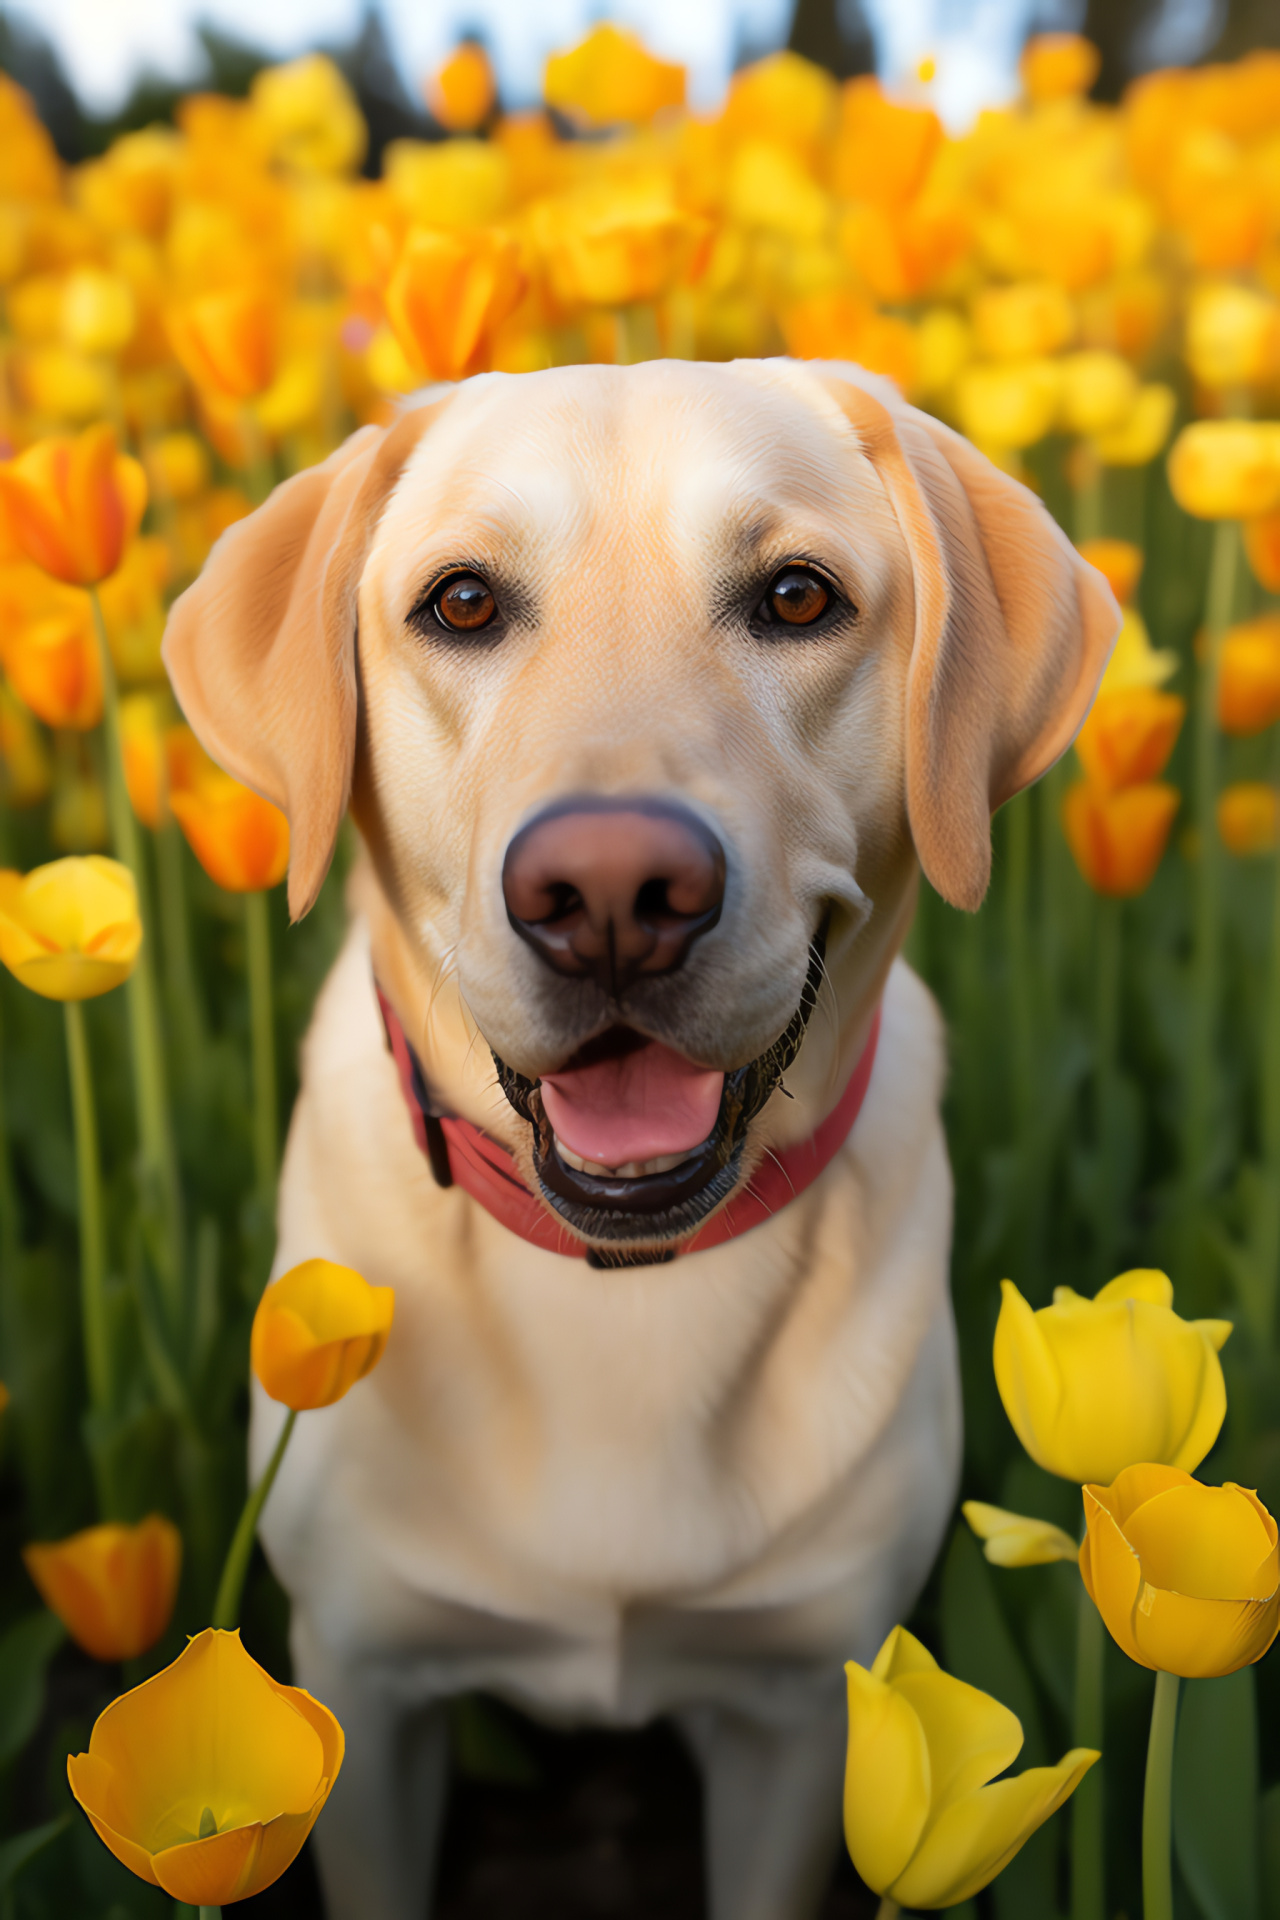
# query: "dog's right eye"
{"type": "Point", "coordinates": [463, 603]}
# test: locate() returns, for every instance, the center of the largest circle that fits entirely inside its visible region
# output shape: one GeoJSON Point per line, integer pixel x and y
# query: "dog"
{"type": "Point", "coordinates": [650, 690]}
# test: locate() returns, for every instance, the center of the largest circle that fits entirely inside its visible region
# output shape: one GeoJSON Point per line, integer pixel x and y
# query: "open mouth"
{"type": "Point", "coordinates": [634, 1144]}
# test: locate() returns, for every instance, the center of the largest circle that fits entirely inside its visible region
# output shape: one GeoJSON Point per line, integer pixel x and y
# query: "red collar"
{"type": "Point", "coordinates": [463, 1154]}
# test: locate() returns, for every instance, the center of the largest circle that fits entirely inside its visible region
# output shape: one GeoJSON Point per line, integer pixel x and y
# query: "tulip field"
{"type": "Point", "coordinates": [1091, 293]}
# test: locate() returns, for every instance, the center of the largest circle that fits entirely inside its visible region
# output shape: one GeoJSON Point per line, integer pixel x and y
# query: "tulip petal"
{"type": "Point", "coordinates": [1201, 1639]}
{"type": "Point", "coordinates": [886, 1782]}
{"type": "Point", "coordinates": [902, 1653]}
{"type": "Point", "coordinates": [1111, 1572]}
{"type": "Point", "coordinates": [212, 1872]}
{"type": "Point", "coordinates": [92, 1781]}
{"type": "Point", "coordinates": [1027, 1376]}
{"type": "Point", "coordinates": [1208, 1543]}
{"type": "Point", "coordinates": [975, 1837]}
{"type": "Point", "coordinates": [1140, 1283]}
{"type": "Point", "coordinates": [971, 1736]}
{"type": "Point", "coordinates": [1016, 1539]}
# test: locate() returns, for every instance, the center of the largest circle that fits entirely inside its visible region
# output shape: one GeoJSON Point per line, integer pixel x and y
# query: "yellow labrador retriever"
{"type": "Point", "coordinates": [648, 688]}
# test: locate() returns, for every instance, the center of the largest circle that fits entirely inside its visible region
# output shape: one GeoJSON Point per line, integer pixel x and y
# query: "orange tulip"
{"type": "Point", "coordinates": [1249, 817]}
{"type": "Point", "coordinates": [226, 342]}
{"type": "Point", "coordinates": [840, 326]}
{"type": "Point", "coordinates": [448, 293]}
{"type": "Point", "coordinates": [319, 1329]}
{"type": "Point", "coordinates": [1262, 545]}
{"type": "Point", "coordinates": [240, 840]}
{"type": "Point", "coordinates": [613, 247]}
{"type": "Point", "coordinates": [883, 151]}
{"type": "Point", "coordinates": [1120, 563]}
{"type": "Point", "coordinates": [1117, 839]}
{"type": "Point", "coordinates": [113, 1587]}
{"type": "Point", "coordinates": [461, 92]}
{"type": "Point", "coordinates": [611, 77]}
{"type": "Point", "coordinates": [1057, 66]}
{"type": "Point", "coordinates": [74, 503]}
{"type": "Point", "coordinates": [1249, 676]}
{"type": "Point", "coordinates": [1129, 735]}
{"type": "Point", "coordinates": [49, 648]}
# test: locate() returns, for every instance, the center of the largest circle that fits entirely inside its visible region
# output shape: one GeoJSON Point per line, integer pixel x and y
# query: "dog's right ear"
{"type": "Point", "coordinates": [261, 648]}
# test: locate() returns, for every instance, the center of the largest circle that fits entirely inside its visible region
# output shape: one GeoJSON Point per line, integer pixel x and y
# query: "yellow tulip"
{"type": "Point", "coordinates": [27, 774]}
{"type": "Point", "coordinates": [1016, 1539]}
{"type": "Point", "coordinates": [944, 344]}
{"type": "Point", "coordinates": [62, 386]}
{"type": "Point", "coordinates": [1186, 1577]}
{"type": "Point", "coordinates": [611, 77]}
{"type": "Point", "coordinates": [310, 115]}
{"type": "Point", "coordinates": [70, 930]}
{"type": "Point", "coordinates": [1058, 66]}
{"type": "Point", "coordinates": [1009, 406]}
{"type": "Point", "coordinates": [613, 247]}
{"type": "Point", "coordinates": [99, 312]}
{"type": "Point", "coordinates": [768, 188]}
{"type": "Point", "coordinates": [113, 1587]}
{"type": "Point", "coordinates": [177, 466]}
{"type": "Point", "coordinates": [1143, 431]}
{"type": "Point", "coordinates": [1099, 391]}
{"type": "Point", "coordinates": [1128, 735]}
{"type": "Point", "coordinates": [49, 647]}
{"type": "Point", "coordinates": [1249, 818]}
{"type": "Point", "coordinates": [461, 92]}
{"type": "Point", "coordinates": [925, 1821]}
{"type": "Point", "coordinates": [1092, 1386]}
{"type": "Point", "coordinates": [458, 184]}
{"type": "Point", "coordinates": [786, 100]}
{"type": "Point", "coordinates": [1023, 322]}
{"type": "Point", "coordinates": [1134, 661]}
{"type": "Point", "coordinates": [319, 1329]}
{"type": "Point", "coordinates": [74, 504]}
{"type": "Point", "coordinates": [133, 609]}
{"type": "Point", "coordinates": [1226, 469]}
{"type": "Point", "coordinates": [1233, 336]}
{"type": "Point", "coordinates": [1249, 676]}
{"type": "Point", "coordinates": [207, 1779]}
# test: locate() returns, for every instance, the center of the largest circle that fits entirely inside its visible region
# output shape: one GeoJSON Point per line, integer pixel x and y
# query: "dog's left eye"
{"type": "Point", "coordinates": [463, 603]}
{"type": "Point", "coordinates": [796, 597]}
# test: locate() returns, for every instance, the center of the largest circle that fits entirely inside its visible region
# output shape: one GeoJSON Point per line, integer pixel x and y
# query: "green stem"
{"type": "Point", "coordinates": [180, 972]}
{"type": "Point", "coordinates": [266, 1131]}
{"type": "Point", "coordinates": [211, 1913]}
{"type": "Point", "coordinates": [1157, 1849]}
{"type": "Point", "coordinates": [1017, 917]}
{"type": "Point", "coordinates": [1206, 961]}
{"type": "Point", "coordinates": [1088, 1871]}
{"type": "Point", "coordinates": [1087, 495]}
{"type": "Point", "coordinates": [226, 1608]}
{"type": "Point", "coordinates": [1106, 1087]}
{"type": "Point", "coordinates": [889, 1909]}
{"type": "Point", "coordinates": [1269, 1251]}
{"type": "Point", "coordinates": [93, 1243]}
{"type": "Point", "coordinates": [259, 477]}
{"type": "Point", "coordinates": [155, 1133]}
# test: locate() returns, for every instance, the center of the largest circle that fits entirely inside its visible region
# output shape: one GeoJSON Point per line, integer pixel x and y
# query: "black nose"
{"type": "Point", "coordinates": [610, 890]}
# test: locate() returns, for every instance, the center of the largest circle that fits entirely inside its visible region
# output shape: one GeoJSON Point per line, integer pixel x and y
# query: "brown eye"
{"type": "Point", "coordinates": [464, 603]}
{"type": "Point", "coordinates": [797, 597]}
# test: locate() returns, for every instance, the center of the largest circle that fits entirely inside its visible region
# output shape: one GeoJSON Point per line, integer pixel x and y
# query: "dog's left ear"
{"type": "Point", "coordinates": [1012, 630]}
{"type": "Point", "coordinates": [261, 648]}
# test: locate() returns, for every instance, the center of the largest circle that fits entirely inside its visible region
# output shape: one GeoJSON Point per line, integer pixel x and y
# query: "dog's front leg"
{"type": "Point", "coordinates": [771, 1799]}
{"type": "Point", "coordinates": [379, 1836]}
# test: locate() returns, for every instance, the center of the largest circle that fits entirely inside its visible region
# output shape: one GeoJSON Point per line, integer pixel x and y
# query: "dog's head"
{"type": "Point", "coordinates": [648, 686]}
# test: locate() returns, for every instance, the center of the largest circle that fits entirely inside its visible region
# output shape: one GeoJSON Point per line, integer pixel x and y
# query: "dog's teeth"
{"type": "Point", "coordinates": [629, 1170]}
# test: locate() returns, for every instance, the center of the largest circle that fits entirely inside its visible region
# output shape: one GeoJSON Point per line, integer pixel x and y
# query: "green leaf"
{"type": "Point", "coordinates": [1215, 1795]}
{"type": "Point", "coordinates": [979, 1647]}
{"type": "Point", "coordinates": [25, 1653]}
{"type": "Point", "coordinates": [1269, 1834]}
{"type": "Point", "coordinates": [16, 1852]}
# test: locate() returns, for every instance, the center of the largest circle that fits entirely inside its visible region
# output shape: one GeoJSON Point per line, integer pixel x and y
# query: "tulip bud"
{"type": "Point", "coordinates": [226, 342]}
{"type": "Point", "coordinates": [177, 466]}
{"type": "Point", "coordinates": [1118, 839]}
{"type": "Point", "coordinates": [1008, 406]}
{"type": "Point", "coordinates": [99, 312]}
{"type": "Point", "coordinates": [1134, 661]}
{"type": "Point", "coordinates": [1249, 676]}
{"type": "Point", "coordinates": [1119, 562]}
{"type": "Point", "coordinates": [1186, 1577]}
{"type": "Point", "coordinates": [113, 1587]}
{"type": "Point", "coordinates": [1058, 66]}
{"type": "Point", "coordinates": [318, 1330]}
{"type": "Point", "coordinates": [1226, 469]}
{"type": "Point", "coordinates": [614, 247]}
{"type": "Point", "coordinates": [610, 78]}
{"type": "Point", "coordinates": [1233, 336]}
{"type": "Point", "coordinates": [1091, 1386]}
{"type": "Point", "coordinates": [207, 1779]}
{"type": "Point", "coordinates": [1249, 818]}
{"type": "Point", "coordinates": [1143, 431]}
{"type": "Point", "coordinates": [1262, 546]}
{"type": "Point", "coordinates": [460, 94]}
{"type": "Point", "coordinates": [73, 504]}
{"type": "Point", "coordinates": [49, 648]}
{"type": "Point", "coordinates": [70, 930]}
{"type": "Point", "coordinates": [1099, 392]}
{"type": "Point", "coordinates": [311, 118]}
{"type": "Point", "coordinates": [921, 1822]}
{"type": "Point", "coordinates": [1023, 322]}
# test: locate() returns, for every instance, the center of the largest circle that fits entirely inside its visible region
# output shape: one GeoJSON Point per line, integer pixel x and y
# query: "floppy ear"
{"type": "Point", "coordinates": [1012, 630]}
{"type": "Point", "coordinates": [261, 648]}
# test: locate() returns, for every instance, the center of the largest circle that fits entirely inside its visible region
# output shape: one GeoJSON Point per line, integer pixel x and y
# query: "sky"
{"type": "Point", "coordinates": [974, 43]}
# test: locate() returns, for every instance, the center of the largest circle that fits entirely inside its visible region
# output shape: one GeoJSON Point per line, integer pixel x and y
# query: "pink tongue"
{"type": "Point", "coordinates": [650, 1102]}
